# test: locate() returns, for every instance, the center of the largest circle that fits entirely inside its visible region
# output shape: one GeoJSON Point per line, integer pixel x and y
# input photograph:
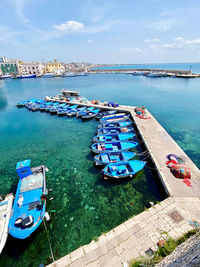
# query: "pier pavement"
{"type": "Point", "coordinates": [170, 218]}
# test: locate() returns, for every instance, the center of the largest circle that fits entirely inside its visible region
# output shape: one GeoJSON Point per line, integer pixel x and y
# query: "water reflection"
{"type": "Point", "coordinates": [3, 99]}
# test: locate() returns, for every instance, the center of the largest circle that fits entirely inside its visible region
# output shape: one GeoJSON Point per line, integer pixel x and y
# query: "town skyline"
{"type": "Point", "coordinates": [100, 31]}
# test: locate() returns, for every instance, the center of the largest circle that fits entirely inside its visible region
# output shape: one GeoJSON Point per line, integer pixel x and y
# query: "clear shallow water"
{"type": "Point", "coordinates": [84, 205]}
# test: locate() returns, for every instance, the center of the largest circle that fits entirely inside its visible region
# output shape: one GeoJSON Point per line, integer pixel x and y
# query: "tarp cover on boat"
{"type": "Point", "coordinates": [31, 182]}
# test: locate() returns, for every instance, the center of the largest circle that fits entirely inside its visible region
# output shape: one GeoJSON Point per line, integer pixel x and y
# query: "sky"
{"type": "Point", "coordinates": [101, 31]}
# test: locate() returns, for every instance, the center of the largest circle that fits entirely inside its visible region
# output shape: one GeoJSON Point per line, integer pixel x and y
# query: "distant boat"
{"type": "Point", "coordinates": [30, 200]}
{"type": "Point", "coordinates": [115, 130]}
{"type": "Point", "coordinates": [123, 170]}
{"type": "Point", "coordinates": [5, 213]}
{"type": "Point", "coordinates": [7, 76]}
{"type": "Point", "coordinates": [48, 75]}
{"type": "Point", "coordinates": [116, 124]}
{"type": "Point", "coordinates": [26, 76]}
{"type": "Point", "coordinates": [69, 74]}
{"type": "Point", "coordinates": [113, 146]}
{"type": "Point", "coordinates": [112, 157]}
{"type": "Point", "coordinates": [113, 137]}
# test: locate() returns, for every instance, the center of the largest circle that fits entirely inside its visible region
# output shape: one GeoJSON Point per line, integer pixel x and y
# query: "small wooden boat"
{"type": "Point", "coordinates": [112, 157]}
{"type": "Point", "coordinates": [110, 118]}
{"type": "Point", "coordinates": [113, 137]}
{"type": "Point", "coordinates": [83, 112]}
{"type": "Point", "coordinates": [116, 130]}
{"type": "Point", "coordinates": [115, 124]}
{"type": "Point", "coordinates": [43, 106]}
{"type": "Point", "coordinates": [90, 114]}
{"type": "Point", "coordinates": [122, 170]}
{"type": "Point", "coordinates": [105, 113]}
{"type": "Point", "coordinates": [30, 200]}
{"type": "Point", "coordinates": [114, 120]}
{"type": "Point", "coordinates": [5, 213]}
{"type": "Point", "coordinates": [62, 110]}
{"type": "Point", "coordinates": [71, 109]}
{"type": "Point", "coordinates": [47, 109]}
{"type": "Point", "coordinates": [113, 146]}
{"type": "Point", "coordinates": [75, 111]}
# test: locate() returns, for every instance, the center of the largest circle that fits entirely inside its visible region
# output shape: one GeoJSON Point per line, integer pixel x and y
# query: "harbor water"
{"type": "Point", "coordinates": [82, 205]}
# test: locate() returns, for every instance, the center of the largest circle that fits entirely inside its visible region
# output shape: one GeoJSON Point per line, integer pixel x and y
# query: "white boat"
{"type": "Point", "coordinates": [6, 76]}
{"type": "Point", "coordinates": [5, 213]}
{"type": "Point", "coordinates": [48, 75]}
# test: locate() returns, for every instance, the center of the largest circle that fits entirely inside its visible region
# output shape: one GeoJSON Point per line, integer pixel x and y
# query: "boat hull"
{"type": "Point", "coordinates": [113, 146]}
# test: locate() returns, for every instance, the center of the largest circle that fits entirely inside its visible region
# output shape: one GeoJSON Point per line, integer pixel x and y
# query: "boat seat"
{"type": "Point", "coordinates": [121, 169]}
{"type": "Point", "coordinates": [113, 158]}
{"type": "Point", "coordinates": [105, 158]}
{"type": "Point", "coordinates": [109, 147]}
{"type": "Point", "coordinates": [27, 222]}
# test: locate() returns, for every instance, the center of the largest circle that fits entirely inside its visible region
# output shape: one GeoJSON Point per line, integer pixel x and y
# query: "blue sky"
{"type": "Point", "coordinates": [115, 31]}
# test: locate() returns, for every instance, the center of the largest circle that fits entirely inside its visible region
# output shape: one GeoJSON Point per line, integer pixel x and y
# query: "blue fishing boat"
{"type": "Point", "coordinates": [115, 124]}
{"type": "Point", "coordinates": [71, 109]}
{"type": "Point", "coordinates": [30, 200]}
{"type": "Point", "coordinates": [75, 111]}
{"type": "Point", "coordinates": [113, 137]}
{"type": "Point", "coordinates": [90, 114]}
{"type": "Point", "coordinates": [114, 118]}
{"type": "Point", "coordinates": [105, 113]}
{"type": "Point", "coordinates": [115, 130]}
{"type": "Point", "coordinates": [112, 157]}
{"type": "Point", "coordinates": [63, 110]}
{"type": "Point", "coordinates": [113, 146]}
{"type": "Point", "coordinates": [48, 107]}
{"type": "Point", "coordinates": [83, 112]}
{"type": "Point", "coordinates": [123, 170]}
{"type": "Point", "coordinates": [43, 106]}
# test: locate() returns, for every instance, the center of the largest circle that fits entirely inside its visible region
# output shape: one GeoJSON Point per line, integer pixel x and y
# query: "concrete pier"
{"type": "Point", "coordinates": [170, 218]}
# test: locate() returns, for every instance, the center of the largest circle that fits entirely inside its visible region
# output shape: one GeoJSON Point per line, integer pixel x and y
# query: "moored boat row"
{"type": "Point", "coordinates": [112, 144]}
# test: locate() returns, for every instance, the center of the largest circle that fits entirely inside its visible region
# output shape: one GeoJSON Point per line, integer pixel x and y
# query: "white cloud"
{"type": "Point", "coordinates": [130, 50]}
{"type": "Point", "coordinates": [154, 40]}
{"type": "Point", "coordinates": [18, 6]}
{"type": "Point", "coordinates": [70, 25]}
{"type": "Point", "coordinates": [89, 41]}
{"type": "Point", "coordinates": [163, 25]}
{"type": "Point", "coordinates": [180, 42]}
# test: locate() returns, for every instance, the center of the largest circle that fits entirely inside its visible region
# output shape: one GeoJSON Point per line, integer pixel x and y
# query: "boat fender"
{"type": "Point", "coordinates": [46, 216]}
{"type": "Point", "coordinates": [18, 222]}
{"type": "Point", "coordinates": [131, 175]}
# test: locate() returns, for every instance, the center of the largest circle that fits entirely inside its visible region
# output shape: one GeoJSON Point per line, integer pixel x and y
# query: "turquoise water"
{"type": "Point", "coordinates": [85, 205]}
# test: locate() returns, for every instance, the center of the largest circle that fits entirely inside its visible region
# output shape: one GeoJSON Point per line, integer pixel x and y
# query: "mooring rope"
{"type": "Point", "coordinates": [48, 240]}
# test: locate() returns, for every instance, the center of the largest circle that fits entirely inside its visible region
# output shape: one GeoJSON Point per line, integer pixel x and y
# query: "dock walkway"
{"type": "Point", "coordinates": [170, 218]}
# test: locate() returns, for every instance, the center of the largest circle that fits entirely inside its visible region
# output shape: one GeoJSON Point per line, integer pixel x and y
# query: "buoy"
{"type": "Point", "coordinates": [51, 198]}
{"type": "Point", "coordinates": [50, 189]}
{"type": "Point", "coordinates": [53, 211]}
{"type": "Point", "coordinates": [46, 216]}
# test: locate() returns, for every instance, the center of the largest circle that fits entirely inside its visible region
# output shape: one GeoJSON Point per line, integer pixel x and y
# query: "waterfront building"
{"type": "Point", "coordinates": [9, 66]}
{"type": "Point", "coordinates": [31, 68]}
{"type": "Point", "coordinates": [54, 67]}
